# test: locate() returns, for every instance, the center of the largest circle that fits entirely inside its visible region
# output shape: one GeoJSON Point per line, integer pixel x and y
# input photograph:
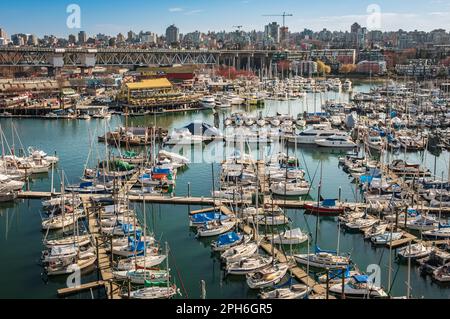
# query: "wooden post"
{"type": "Point", "coordinates": [112, 252]}
{"type": "Point", "coordinates": [343, 283]}
{"type": "Point", "coordinates": [189, 190]}
{"type": "Point", "coordinates": [129, 288]}
{"type": "Point", "coordinates": [98, 260]}
{"type": "Point", "coordinates": [328, 284]}
{"type": "Point", "coordinates": [110, 289]}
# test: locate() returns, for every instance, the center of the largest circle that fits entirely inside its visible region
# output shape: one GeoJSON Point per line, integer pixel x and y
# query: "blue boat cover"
{"type": "Point", "coordinates": [137, 246]}
{"type": "Point", "coordinates": [229, 238]}
{"type": "Point", "coordinates": [161, 171]}
{"type": "Point", "coordinates": [361, 278]}
{"type": "Point", "coordinates": [338, 273]}
{"type": "Point", "coordinates": [86, 184]}
{"type": "Point", "coordinates": [206, 217]}
{"type": "Point", "coordinates": [127, 228]}
{"type": "Point", "coordinates": [329, 203]}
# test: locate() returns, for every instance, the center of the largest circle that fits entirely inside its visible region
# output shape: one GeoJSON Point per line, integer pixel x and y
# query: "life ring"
{"type": "Point", "coordinates": [155, 251]}
{"type": "Point", "coordinates": [152, 276]}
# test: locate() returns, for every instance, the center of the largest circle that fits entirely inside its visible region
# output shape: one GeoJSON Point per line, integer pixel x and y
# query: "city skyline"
{"type": "Point", "coordinates": [100, 16]}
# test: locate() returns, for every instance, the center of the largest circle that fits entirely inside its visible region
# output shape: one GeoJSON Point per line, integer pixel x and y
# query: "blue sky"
{"type": "Point", "coordinates": [114, 16]}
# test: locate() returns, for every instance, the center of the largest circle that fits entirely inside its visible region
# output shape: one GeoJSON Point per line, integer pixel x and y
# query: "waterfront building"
{"type": "Point", "coordinates": [371, 67]}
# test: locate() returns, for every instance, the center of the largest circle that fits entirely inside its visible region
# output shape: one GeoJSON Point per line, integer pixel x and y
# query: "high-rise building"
{"type": "Point", "coordinates": [131, 37]}
{"type": "Point", "coordinates": [172, 34]}
{"type": "Point", "coordinates": [120, 38]}
{"type": "Point", "coordinates": [284, 35]}
{"type": "Point", "coordinates": [32, 40]}
{"type": "Point", "coordinates": [72, 39]}
{"type": "Point", "coordinates": [3, 34]}
{"type": "Point", "coordinates": [82, 37]}
{"type": "Point", "coordinates": [272, 31]}
{"type": "Point", "coordinates": [148, 37]}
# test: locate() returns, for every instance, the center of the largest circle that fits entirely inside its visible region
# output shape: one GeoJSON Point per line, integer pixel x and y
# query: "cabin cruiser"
{"type": "Point", "coordinates": [375, 143]}
{"type": "Point", "coordinates": [316, 132]}
{"type": "Point", "coordinates": [340, 140]}
{"type": "Point", "coordinates": [208, 102]}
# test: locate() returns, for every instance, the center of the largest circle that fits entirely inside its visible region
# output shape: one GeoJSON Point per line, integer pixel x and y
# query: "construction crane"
{"type": "Point", "coordinates": [284, 15]}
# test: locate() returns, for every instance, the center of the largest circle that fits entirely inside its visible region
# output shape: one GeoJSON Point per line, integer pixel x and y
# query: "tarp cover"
{"type": "Point", "coordinates": [229, 238]}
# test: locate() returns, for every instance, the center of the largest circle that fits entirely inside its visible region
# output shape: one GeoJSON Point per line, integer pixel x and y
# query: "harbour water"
{"type": "Point", "coordinates": [191, 259]}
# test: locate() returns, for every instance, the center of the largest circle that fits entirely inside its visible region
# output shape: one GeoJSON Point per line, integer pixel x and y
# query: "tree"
{"type": "Point", "coordinates": [322, 68]}
{"type": "Point", "coordinates": [347, 68]}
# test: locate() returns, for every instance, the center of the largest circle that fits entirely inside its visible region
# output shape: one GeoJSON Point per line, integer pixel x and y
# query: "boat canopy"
{"type": "Point", "coordinates": [203, 129]}
{"type": "Point", "coordinates": [86, 184]}
{"type": "Point", "coordinates": [329, 203]}
{"type": "Point", "coordinates": [207, 217]}
{"type": "Point", "coordinates": [137, 246]}
{"type": "Point", "coordinates": [361, 278]}
{"type": "Point", "coordinates": [228, 238]}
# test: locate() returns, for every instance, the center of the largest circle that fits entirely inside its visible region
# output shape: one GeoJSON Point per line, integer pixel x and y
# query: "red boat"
{"type": "Point", "coordinates": [326, 207]}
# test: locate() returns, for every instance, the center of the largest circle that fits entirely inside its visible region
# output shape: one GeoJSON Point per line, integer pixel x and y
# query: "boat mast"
{"type": "Point", "coordinates": [318, 203]}
{"type": "Point", "coordinates": [63, 201]}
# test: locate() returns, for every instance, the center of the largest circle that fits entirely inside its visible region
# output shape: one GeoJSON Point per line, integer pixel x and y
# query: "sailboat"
{"type": "Point", "coordinates": [290, 237]}
{"type": "Point", "coordinates": [323, 259]}
{"type": "Point", "coordinates": [215, 228]}
{"type": "Point", "coordinates": [359, 287]}
{"type": "Point", "coordinates": [155, 289]}
{"type": "Point", "coordinates": [293, 292]}
{"type": "Point", "coordinates": [267, 277]}
{"type": "Point", "coordinates": [249, 265]}
{"type": "Point", "coordinates": [239, 252]}
{"type": "Point", "coordinates": [229, 240]}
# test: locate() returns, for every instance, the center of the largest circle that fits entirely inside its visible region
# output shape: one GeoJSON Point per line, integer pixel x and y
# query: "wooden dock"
{"type": "Point", "coordinates": [75, 290]}
{"type": "Point", "coordinates": [104, 260]}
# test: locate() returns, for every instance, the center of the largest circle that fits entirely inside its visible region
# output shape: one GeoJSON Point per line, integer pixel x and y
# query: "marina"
{"type": "Point", "coordinates": [188, 196]}
{"type": "Point", "coordinates": [271, 164]}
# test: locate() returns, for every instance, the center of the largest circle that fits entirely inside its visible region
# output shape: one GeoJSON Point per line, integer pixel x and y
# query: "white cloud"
{"type": "Point", "coordinates": [192, 12]}
{"type": "Point", "coordinates": [176, 9]}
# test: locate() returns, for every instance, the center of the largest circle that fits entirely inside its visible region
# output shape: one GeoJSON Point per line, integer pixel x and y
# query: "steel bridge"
{"type": "Point", "coordinates": [74, 57]}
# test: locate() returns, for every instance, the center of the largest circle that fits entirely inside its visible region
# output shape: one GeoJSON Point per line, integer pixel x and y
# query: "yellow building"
{"type": "Point", "coordinates": [147, 89]}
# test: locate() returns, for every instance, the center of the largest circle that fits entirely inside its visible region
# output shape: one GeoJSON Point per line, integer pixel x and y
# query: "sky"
{"type": "Point", "coordinates": [114, 16]}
